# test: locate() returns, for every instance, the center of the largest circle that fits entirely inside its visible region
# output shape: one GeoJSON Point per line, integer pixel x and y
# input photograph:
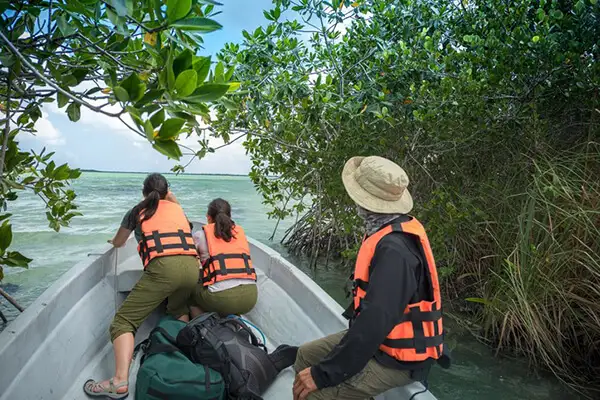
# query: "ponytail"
{"type": "Point", "coordinates": [219, 211]}
{"type": "Point", "coordinates": [224, 227]}
{"type": "Point", "coordinates": [155, 188]}
{"type": "Point", "coordinates": [147, 206]}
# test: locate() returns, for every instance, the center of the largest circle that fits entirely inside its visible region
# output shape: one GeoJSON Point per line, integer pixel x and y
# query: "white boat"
{"type": "Point", "coordinates": [62, 339]}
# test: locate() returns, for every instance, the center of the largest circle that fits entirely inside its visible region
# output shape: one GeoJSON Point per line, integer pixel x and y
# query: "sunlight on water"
{"type": "Point", "coordinates": [105, 197]}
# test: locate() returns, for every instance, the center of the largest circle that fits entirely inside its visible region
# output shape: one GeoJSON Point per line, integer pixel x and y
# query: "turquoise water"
{"type": "Point", "coordinates": [105, 197]}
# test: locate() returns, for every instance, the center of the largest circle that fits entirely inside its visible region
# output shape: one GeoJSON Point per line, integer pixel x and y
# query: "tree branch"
{"type": "Point", "coordinates": [7, 124]}
{"type": "Point", "coordinates": [27, 63]}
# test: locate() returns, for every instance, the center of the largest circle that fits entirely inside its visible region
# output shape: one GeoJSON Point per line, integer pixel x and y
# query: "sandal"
{"type": "Point", "coordinates": [110, 392]}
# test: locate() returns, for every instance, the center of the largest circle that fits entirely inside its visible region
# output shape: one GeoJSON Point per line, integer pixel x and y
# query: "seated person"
{"type": "Point", "coordinates": [228, 284]}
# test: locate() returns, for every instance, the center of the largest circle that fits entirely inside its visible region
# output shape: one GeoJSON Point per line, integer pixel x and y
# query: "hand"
{"type": "Point", "coordinates": [304, 384]}
{"type": "Point", "coordinates": [171, 197]}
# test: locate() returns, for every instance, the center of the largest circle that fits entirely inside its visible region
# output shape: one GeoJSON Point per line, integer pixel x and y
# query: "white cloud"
{"type": "Point", "coordinates": [47, 133]}
{"type": "Point", "coordinates": [100, 122]}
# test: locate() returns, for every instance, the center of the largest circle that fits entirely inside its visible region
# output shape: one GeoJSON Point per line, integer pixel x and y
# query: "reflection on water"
{"type": "Point", "coordinates": [105, 197]}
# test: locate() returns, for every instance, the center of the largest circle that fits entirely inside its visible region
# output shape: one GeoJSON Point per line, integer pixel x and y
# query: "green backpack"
{"type": "Point", "coordinates": [166, 373]}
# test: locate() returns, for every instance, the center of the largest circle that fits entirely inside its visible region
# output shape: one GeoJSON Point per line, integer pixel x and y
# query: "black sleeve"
{"type": "Point", "coordinates": [392, 283]}
{"type": "Point", "coordinates": [128, 221]}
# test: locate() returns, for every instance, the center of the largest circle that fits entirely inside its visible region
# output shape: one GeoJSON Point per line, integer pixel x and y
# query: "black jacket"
{"type": "Point", "coordinates": [397, 277]}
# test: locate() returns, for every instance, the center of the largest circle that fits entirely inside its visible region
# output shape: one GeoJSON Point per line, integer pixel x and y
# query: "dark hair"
{"type": "Point", "coordinates": [155, 188]}
{"type": "Point", "coordinates": [220, 212]}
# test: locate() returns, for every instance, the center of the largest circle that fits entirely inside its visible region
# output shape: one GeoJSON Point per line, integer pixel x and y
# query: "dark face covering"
{"type": "Point", "coordinates": [374, 221]}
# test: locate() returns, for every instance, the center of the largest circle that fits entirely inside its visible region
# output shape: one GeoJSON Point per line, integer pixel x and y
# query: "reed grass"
{"type": "Point", "coordinates": [540, 292]}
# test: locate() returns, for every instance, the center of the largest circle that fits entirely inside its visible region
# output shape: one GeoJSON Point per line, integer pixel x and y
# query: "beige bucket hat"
{"type": "Point", "coordinates": [378, 185]}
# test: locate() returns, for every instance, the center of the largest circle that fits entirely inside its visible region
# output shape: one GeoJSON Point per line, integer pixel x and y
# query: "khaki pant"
{"type": "Point", "coordinates": [374, 379]}
{"type": "Point", "coordinates": [169, 277]}
{"type": "Point", "coordinates": [236, 300]}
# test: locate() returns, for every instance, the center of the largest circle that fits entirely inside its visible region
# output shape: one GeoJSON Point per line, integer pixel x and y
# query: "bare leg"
{"type": "Point", "coordinates": [123, 348]}
{"type": "Point", "coordinates": [184, 318]}
{"type": "Point", "coordinates": [195, 311]}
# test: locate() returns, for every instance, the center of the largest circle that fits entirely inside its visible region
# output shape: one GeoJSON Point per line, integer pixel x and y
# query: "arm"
{"type": "Point", "coordinates": [171, 197]}
{"type": "Point", "coordinates": [120, 237]}
{"type": "Point", "coordinates": [391, 285]}
{"type": "Point", "coordinates": [127, 226]}
{"type": "Point", "coordinates": [201, 245]}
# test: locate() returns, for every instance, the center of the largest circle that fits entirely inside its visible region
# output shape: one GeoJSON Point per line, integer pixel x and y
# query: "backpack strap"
{"type": "Point", "coordinates": [165, 334]}
{"type": "Point", "coordinates": [151, 347]}
{"type": "Point", "coordinates": [242, 326]}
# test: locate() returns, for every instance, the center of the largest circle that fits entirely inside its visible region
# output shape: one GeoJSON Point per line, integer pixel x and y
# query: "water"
{"type": "Point", "coordinates": [105, 197]}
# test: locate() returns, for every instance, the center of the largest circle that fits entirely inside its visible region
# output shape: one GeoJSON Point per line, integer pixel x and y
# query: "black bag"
{"type": "Point", "coordinates": [229, 346]}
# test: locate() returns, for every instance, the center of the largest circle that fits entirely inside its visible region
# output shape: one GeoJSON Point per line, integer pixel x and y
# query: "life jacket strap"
{"type": "Point", "coordinates": [159, 247]}
{"type": "Point", "coordinates": [420, 342]}
{"type": "Point", "coordinates": [223, 270]}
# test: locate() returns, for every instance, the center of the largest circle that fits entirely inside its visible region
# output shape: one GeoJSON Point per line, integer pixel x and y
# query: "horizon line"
{"type": "Point", "coordinates": [166, 173]}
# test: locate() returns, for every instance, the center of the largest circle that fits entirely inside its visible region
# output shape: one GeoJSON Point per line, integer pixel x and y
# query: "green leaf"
{"type": "Point", "coordinates": [186, 83]}
{"type": "Point", "coordinates": [64, 26]}
{"type": "Point", "coordinates": [202, 68]}
{"type": "Point", "coordinates": [233, 86]}
{"type": "Point", "coordinates": [61, 99]}
{"type": "Point", "coordinates": [15, 259]}
{"type": "Point", "coordinates": [170, 128]}
{"type": "Point", "coordinates": [268, 15]}
{"type": "Point", "coordinates": [220, 72]}
{"type": "Point", "coordinates": [229, 73]}
{"type": "Point", "coordinates": [119, 6]}
{"type": "Point", "coordinates": [149, 130]}
{"type": "Point", "coordinates": [62, 172]}
{"type": "Point", "coordinates": [230, 105]}
{"type": "Point", "coordinates": [157, 118]}
{"type": "Point", "coordinates": [478, 300]}
{"type": "Point", "coordinates": [121, 94]}
{"type": "Point", "coordinates": [168, 148]}
{"type": "Point", "coordinates": [208, 92]}
{"type": "Point", "coordinates": [134, 86]}
{"type": "Point", "coordinates": [68, 80]}
{"type": "Point", "coordinates": [177, 9]}
{"type": "Point", "coordinates": [74, 111]}
{"type": "Point", "coordinates": [182, 62]}
{"type": "Point", "coordinates": [150, 96]}
{"type": "Point", "coordinates": [7, 60]}
{"type": "Point", "coordinates": [5, 236]}
{"type": "Point", "coordinates": [170, 73]}
{"type": "Point", "coordinates": [197, 24]}
{"type": "Point", "coordinates": [535, 39]}
{"type": "Point", "coordinates": [541, 14]}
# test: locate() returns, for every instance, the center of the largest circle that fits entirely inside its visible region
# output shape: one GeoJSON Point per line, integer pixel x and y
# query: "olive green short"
{"type": "Point", "coordinates": [168, 277]}
{"type": "Point", "coordinates": [237, 300]}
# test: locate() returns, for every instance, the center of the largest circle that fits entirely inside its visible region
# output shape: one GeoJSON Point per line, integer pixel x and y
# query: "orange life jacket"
{"type": "Point", "coordinates": [419, 335]}
{"type": "Point", "coordinates": [166, 233]}
{"type": "Point", "coordinates": [228, 260]}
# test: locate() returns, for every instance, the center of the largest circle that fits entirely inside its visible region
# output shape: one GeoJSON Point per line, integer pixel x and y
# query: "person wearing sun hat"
{"type": "Point", "coordinates": [396, 331]}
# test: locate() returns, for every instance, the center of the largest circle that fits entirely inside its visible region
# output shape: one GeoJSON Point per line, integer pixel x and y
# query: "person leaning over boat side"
{"type": "Point", "coordinates": [228, 284]}
{"type": "Point", "coordinates": [171, 270]}
{"type": "Point", "coordinates": [395, 332]}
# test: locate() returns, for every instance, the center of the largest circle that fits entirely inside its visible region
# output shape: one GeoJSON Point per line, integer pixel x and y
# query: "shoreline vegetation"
{"type": "Point", "coordinates": [493, 109]}
{"type": "Point", "coordinates": [491, 106]}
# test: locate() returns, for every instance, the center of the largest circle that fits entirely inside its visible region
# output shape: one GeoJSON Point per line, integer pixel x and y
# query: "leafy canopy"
{"type": "Point", "coordinates": [137, 61]}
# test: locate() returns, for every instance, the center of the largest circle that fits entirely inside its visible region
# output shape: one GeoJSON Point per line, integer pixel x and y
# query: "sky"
{"type": "Point", "coordinates": [103, 143]}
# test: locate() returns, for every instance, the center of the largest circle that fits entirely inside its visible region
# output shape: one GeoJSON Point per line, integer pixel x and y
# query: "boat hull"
{"type": "Point", "coordinates": [62, 339]}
